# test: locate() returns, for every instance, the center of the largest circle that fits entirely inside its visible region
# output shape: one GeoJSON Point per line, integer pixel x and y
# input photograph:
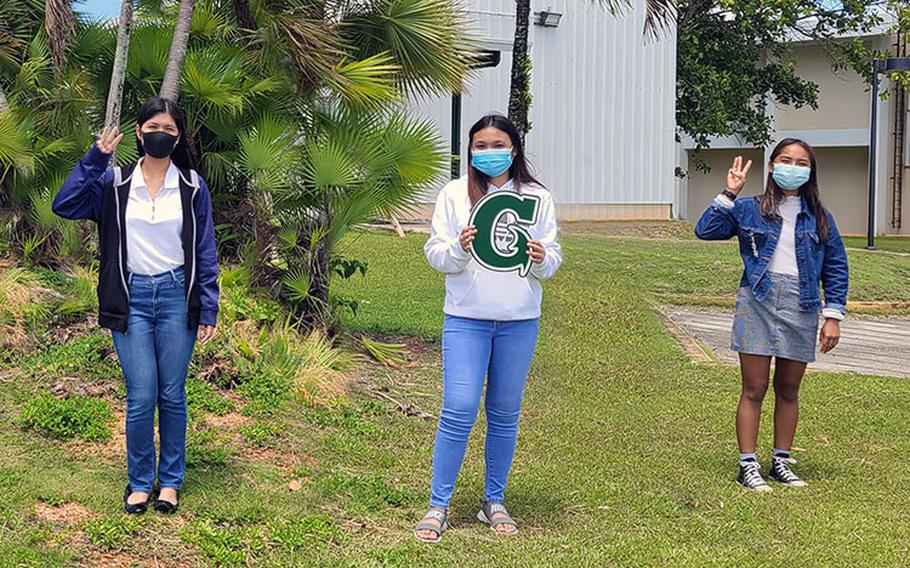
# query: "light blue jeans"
{"type": "Point", "coordinates": [154, 354]}
{"type": "Point", "coordinates": [474, 350]}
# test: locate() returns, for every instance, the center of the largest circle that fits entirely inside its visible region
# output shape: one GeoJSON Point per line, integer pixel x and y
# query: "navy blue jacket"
{"type": "Point", "coordinates": [97, 192]}
{"type": "Point", "coordinates": [818, 261]}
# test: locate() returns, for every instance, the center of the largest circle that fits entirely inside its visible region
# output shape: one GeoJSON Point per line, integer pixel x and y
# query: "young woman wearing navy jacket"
{"type": "Point", "coordinates": [157, 285]}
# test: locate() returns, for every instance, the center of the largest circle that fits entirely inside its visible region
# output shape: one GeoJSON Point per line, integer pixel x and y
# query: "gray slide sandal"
{"type": "Point", "coordinates": [434, 514]}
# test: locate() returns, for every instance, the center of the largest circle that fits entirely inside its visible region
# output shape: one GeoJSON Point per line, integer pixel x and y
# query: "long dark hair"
{"type": "Point", "coordinates": [520, 172]}
{"type": "Point", "coordinates": [155, 106]}
{"type": "Point", "coordinates": [774, 195]}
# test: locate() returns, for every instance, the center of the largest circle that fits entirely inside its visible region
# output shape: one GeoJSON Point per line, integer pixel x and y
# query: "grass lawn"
{"type": "Point", "coordinates": [889, 244]}
{"type": "Point", "coordinates": [626, 453]}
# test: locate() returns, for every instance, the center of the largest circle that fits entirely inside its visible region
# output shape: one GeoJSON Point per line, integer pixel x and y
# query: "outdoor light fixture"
{"type": "Point", "coordinates": [879, 66]}
{"type": "Point", "coordinates": [547, 19]}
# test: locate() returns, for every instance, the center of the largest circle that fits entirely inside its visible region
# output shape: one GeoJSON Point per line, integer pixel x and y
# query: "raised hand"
{"type": "Point", "coordinates": [108, 141]}
{"type": "Point", "coordinates": [736, 176]}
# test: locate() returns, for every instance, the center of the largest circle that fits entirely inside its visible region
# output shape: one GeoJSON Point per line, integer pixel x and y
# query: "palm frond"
{"type": "Point", "coordinates": [427, 39]}
{"type": "Point", "coordinates": [214, 77]}
{"type": "Point", "coordinates": [14, 145]}
{"type": "Point", "coordinates": [329, 166]}
{"type": "Point", "coordinates": [267, 154]}
{"type": "Point", "coordinates": [659, 14]}
{"type": "Point", "coordinates": [296, 285]}
{"type": "Point", "coordinates": [367, 83]}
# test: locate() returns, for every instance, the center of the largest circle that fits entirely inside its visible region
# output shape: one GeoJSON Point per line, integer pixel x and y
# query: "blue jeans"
{"type": "Point", "coordinates": [501, 352]}
{"type": "Point", "coordinates": [154, 354]}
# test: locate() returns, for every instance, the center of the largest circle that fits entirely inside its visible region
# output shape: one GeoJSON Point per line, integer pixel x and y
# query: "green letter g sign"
{"type": "Point", "coordinates": [505, 249]}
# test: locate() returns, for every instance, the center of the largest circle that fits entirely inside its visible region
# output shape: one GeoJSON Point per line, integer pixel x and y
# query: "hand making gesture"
{"type": "Point", "coordinates": [736, 175]}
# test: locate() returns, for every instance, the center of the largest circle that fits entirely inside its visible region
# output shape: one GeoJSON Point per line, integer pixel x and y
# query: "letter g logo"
{"type": "Point", "coordinates": [487, 214]}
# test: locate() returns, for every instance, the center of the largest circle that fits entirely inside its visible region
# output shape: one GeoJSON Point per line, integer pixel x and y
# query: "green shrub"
{"type": "Point", "coordinates": [202, 397]}
{"type": "Point", "coordinates": [298, 532]}
{"type": "Point", "coordinates": [113, 531]}
{"type": "Point", "coordinates": [85, 357]}
{"type": "Point", "coordinates": [370, 493]}
{"type": "Point", "coordinates": [261, 433]}
{"type": "Point", "coordinates": [81, 417]}
{"type": "Point", "coordinates": [80, 296]}
{"type": "Point", "coordinates": [267, 389]}
{"type": "Point", "coordinates": [347, 419]}
{"type": "Point", "coordinates": [203, 449]}
{"type": "Point", "coordinates": [240, 302]}
{"type": "Point", "coordinates": [225, 545]}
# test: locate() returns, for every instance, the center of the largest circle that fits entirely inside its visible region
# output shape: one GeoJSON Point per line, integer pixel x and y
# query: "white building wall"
{"type": "Point", "coordinates": [603, 114]}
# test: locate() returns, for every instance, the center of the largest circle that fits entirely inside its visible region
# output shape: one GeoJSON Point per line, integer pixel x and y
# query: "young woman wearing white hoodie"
{"type": "Point", "coordinates": [490, 327]}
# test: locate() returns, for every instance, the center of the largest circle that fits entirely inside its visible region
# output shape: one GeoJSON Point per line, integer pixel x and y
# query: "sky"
{"type": "Point", "coordinates": [101, 9]}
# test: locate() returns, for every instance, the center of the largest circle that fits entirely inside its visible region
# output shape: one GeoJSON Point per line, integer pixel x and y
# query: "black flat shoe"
{"type": "Point", "coordinates": [166, 507]}
{"type": "Point", "coordinates": [133, 509]}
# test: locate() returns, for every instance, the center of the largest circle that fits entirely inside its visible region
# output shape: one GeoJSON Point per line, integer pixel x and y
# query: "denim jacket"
{"type": "Point", "coordinates": [819, 262]}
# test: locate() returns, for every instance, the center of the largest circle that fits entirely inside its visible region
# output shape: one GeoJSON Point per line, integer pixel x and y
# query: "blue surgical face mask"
{"type": "Point", "coordinates": [492, 162]}
{"type": "Point", "coordinates": [790, 177]}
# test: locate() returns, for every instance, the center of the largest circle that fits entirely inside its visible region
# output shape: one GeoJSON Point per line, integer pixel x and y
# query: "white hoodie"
{"type": "Point", "coordinates": [473, 291]}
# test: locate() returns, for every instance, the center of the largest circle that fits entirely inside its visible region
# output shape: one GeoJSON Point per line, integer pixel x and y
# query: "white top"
{"type": "Point", "coordinates": [783, 261]}
{"type": "Point", "coordinates": [153, 226]}
{"type": "Point", "coordinates": [473, 291]}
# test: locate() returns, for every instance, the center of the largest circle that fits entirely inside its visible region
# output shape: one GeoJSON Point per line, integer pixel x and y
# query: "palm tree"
{"type": "Point", "coordinates": [60, 25]}
{"type": "Point", "coordinates": [658, 15]}
{"type": "Point", "coordinates": [170, 85]}
{"type": "Point", "coordinates": [292, 118]}
{"type": "Point", "coordinates": [46, 127]}
{"type": "Point", "coordinates": [115, 93]}
{"type": "Point", "coordinates": [520, 87]}
{"type": "Point", "coordinates": [18, 23]}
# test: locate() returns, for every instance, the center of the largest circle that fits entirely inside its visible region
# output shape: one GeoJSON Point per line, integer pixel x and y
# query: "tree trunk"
{"type": "Point", "coordinates": [115, 94]}
{"type": "Point", "coordinates": [3, 103]}
{"type": "Point", "coordinates": [317, 311]}
{"type": "Point", "coordinates": [243, 15]}
{"type": "Point", "coordinates": [520, 89]}
{"type": "Point", "coordinates": [60, 26]}
{"type": "Point", "coordinates": [170, 85]}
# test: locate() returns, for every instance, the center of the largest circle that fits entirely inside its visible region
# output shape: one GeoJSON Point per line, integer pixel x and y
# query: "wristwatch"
{"type": "Point", "coordinates": [728, 194]}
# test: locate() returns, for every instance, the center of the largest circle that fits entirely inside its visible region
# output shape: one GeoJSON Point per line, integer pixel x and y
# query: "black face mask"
{"type": "Point", "coordinates": [158, 144]}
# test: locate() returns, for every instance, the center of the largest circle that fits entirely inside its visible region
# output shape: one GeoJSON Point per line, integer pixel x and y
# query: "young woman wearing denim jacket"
{"type": "Point", "coordinates": [790, 245]}
{"type": "Point", "coordinates": [157, 285]}
{"type": "Point", "coordinates": [490, 327]}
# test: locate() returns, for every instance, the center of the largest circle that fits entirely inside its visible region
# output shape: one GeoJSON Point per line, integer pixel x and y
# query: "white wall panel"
{"type": "Point", "coordinates": [604, 101]}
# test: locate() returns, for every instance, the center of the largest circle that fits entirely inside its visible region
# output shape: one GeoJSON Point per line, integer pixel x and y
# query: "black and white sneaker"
{"type": "Point", "coordinates": [780, 471]}
{"type": "Point", "coordinates": [750, 477]}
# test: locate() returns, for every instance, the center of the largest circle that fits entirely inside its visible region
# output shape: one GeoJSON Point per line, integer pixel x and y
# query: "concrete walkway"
{"type": "Point", "coordinates": [872, 346]}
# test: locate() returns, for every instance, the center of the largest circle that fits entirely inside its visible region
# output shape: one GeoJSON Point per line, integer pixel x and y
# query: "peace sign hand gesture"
{"type": "Point", "coordinates": [109, 140]}
{"type": "Point", "coordinates": [736, 176]}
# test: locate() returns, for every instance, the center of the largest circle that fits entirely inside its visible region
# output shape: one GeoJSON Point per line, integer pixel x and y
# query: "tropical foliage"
{"type": "Point", "coordinates": [295, 109]}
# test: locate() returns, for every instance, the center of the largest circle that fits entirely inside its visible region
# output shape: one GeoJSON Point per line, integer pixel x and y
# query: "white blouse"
{"type": "Point", "coordinates": [153, 226]}
{"type": "Point", "coordinates": [783, 261]}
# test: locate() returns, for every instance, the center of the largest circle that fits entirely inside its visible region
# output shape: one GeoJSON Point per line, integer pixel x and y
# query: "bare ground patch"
{"type": "Point", "coordinates": [65, 514]}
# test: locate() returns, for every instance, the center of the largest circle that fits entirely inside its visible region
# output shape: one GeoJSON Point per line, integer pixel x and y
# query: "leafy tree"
{"type": "Point", "coordinates": [734, 59]}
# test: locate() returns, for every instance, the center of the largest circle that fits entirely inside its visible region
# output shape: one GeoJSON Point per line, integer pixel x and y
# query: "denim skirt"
{"type": "Point", "coordinates": [775, 327]}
